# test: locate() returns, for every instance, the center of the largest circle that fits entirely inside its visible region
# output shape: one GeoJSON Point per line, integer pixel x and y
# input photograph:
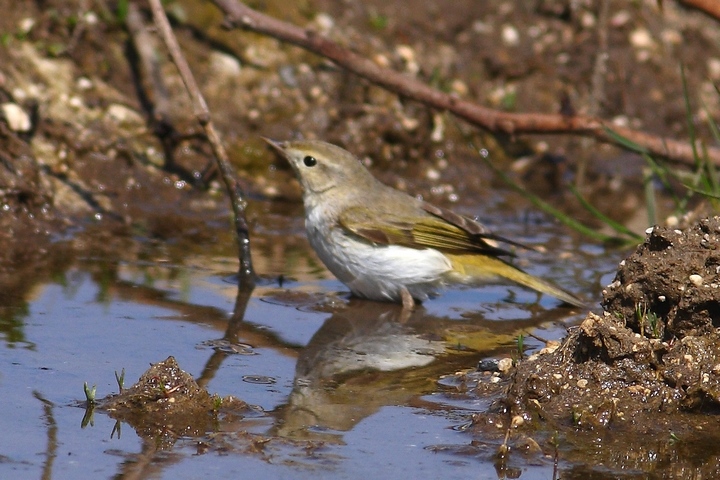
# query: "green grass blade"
{"type": "Point", "coordinates": [689, 117]}
{"type": "Point", "coordinates": [618, 227]}
{"type": "Point", "coordinates": [706, 193]}
{"type": "Point", "coordinates": [650, 202]}
{"type": "Point", "coordinates": [549, 209]}
{"type": "Point", "coordinates": [625, 142]}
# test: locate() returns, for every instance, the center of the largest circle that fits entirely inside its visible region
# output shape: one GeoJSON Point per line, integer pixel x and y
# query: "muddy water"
{"type": "Point", "coordinates": [341, 388]}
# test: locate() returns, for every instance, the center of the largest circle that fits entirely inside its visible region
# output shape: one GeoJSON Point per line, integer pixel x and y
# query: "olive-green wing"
{"type": "Point", "coordinates": [424, 230]}
{"type": "Point", "coordinates": [473, 228]}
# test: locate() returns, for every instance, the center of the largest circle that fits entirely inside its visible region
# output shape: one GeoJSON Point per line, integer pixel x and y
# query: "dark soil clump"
{"type": "Point", "coordinates": [166, 403]}
{"type": "Point", "coordinates": [670, 287]}
{"type": "Point", "coordinates": [645, 367]}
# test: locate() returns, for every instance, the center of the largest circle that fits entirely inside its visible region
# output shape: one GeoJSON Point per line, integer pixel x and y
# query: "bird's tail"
{"type": "Point", "coordinates": [478, 268]}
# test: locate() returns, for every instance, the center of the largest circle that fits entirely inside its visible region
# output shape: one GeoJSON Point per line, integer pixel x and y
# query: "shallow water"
{"type": "Point", "coordinates": [346, 390]}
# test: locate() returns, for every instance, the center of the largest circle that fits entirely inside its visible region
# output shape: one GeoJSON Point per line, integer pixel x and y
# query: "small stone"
{"type": "Point", "coordinates": [587, 19]}
{"type": "Point", "coordinates": [696, 279]}
{"type": "Point", "coordinates": [620, 18]}
{"type": "Point", "coordinates": [122, 114]}
{"type": "Point", "coordinates": [550, 347]}
{"type": "Point", "coordinates": [488, 365]}
{"type": "Point", "coordinates": [671, 37]}
{"type": "Point", "coordinates": [504, 364]}
{"type": "Point", "coordinates": [432, 174]}
{"type": "Point", "coordinates": [517, 421]}
{"type": "Point", "coordinates": [84, 83]}
{"type": "Point", "coordinates": [713, 67]}
{"type": "Point", "coordinates": [408, 55]}
{"type": "Point", "coordinates": [459, 87]}
{"type": "Point", "coordinates": [324, 23]}
{"type": "Point", "coordinates": [409, 123]}
{"type": "Point", "coordinates": [75, 102]}
{"type": "Point", "coordinates": [640, 38]}
{"type": "Point", "coordinates": [510, 35]}
{"type": "Point", "coordinates": [17, 119]}
{"type": "Point", "coordinates": [224, 65]}
{"type": "Point", "coordinates": [26, 24]}
{"type": "Point", "coordinates": [91, 18]}
{"type": "Point", "coordinates": [582, 383]}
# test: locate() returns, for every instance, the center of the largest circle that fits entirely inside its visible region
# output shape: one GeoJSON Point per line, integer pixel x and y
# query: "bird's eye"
{"type": "Point", "coordinates": [310, 161]}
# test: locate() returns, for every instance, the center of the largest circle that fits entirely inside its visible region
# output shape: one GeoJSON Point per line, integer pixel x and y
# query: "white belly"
{"type": "Point", "coordinates": [379, 272]}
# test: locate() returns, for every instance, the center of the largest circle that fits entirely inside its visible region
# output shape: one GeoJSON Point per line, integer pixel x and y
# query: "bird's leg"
{"type": "Point", "coordinates": [407, 300]}
{"type": "Point", "coordinates": [408, 305]}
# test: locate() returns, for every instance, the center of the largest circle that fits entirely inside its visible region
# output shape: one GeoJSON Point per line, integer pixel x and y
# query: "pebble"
{"type": "Point", "coordinates": [84, 83]}
{"type": "Point", "coordinates": [17, 119]}
{"type": "Point", "coordinates": [123, 114]}
{"type": "Point", "coordinates": [671, 37]}
{"type": "Point", "coordinates": [224, 64]}
{"type": "Point", "coordinates": [620, 18]}
{"type": "Point", "coordinates": [587, 19]}
{"type": "Point", "coordinates": [510, 35]}
{"type": "Point", "coordinates": [696, 279]}
{"type": "Point", "coordinates": [26, 24]}
{"type": "Point", "coordinates": [488, 365]}
{"type": "Point", "coordinates": [324, 22]}
{"type": "Point", "coordinates": [408, 55]}
{"type": "Point", "coordinates": [517, 421]}
{"type": "Point", "coordinates": [432, 174]}
{"type": "Point", "coordinates": [504, 364]}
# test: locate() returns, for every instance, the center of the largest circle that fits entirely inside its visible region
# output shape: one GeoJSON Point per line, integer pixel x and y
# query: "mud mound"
{"type": "Point", "coordinates": [647, 365]}
{"type": "Point", "coordinates": [670, 287]}
{"type": "Point", "coordinates": [166, 403]}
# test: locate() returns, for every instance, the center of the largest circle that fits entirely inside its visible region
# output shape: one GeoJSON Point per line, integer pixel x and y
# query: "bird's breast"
{"type": "Point", "coordinates": [376, 271]}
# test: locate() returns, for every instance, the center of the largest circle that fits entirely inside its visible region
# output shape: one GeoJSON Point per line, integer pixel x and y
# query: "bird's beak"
{"type": "Point", "coordinates": [279, 146]}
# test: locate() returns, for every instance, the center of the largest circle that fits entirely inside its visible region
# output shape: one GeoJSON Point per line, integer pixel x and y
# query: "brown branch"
{"type": "Point", "coordinates": [158, 96]}
{"type": "Point", "coordinates": [709, 7]}
{"type": "Point", "coordinates": [202, 113]}
{"type": "Point", "coordinates": [494, 121]}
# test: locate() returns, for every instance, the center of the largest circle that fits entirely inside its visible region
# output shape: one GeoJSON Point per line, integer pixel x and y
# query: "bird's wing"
{"type": "Point", "coordinates": [431, 227]}
{"type": "Point", "coordinates": [473, 228]}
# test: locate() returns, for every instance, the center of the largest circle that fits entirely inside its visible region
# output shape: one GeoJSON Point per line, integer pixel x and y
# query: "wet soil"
{"type": "Point", "coordinates": [647, 367]}
{"type": "Point", "coordinates": [87, 171]}
{"type": "Point", "coordinates": [166, 403]}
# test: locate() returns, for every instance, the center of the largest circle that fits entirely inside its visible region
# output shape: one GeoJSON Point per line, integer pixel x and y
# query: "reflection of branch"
{"type": "Point", "coordinates": [52, 445]}
{"type": "Point", "coordinates": [202, 113]}
{"type": "Point", "coordinates": [237, 321]}
{"type": "Point", "coordinates": [491, 120]}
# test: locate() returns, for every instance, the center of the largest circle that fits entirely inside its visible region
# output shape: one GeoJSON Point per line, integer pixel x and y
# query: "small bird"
{"type": "Point", "coordinates": [387, 245]}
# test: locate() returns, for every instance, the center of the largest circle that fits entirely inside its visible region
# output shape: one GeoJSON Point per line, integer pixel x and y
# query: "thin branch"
{"type": "Point", "coordinates": [494, 121]}
{"type": "Point", "coordinates": [202, 113]}
{"type": "Point", "coordinates": [709, 7]}
{"type": "Point", "coordinates": [153, 83]}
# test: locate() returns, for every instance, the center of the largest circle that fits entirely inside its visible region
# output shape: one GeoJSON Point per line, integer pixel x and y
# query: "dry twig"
{"type": "Point", "coordinates": [494, 121]}
{"type": "Point", "coordinates": [202, 113]}
{"type": "Point", "coordinates": [709, 7]}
